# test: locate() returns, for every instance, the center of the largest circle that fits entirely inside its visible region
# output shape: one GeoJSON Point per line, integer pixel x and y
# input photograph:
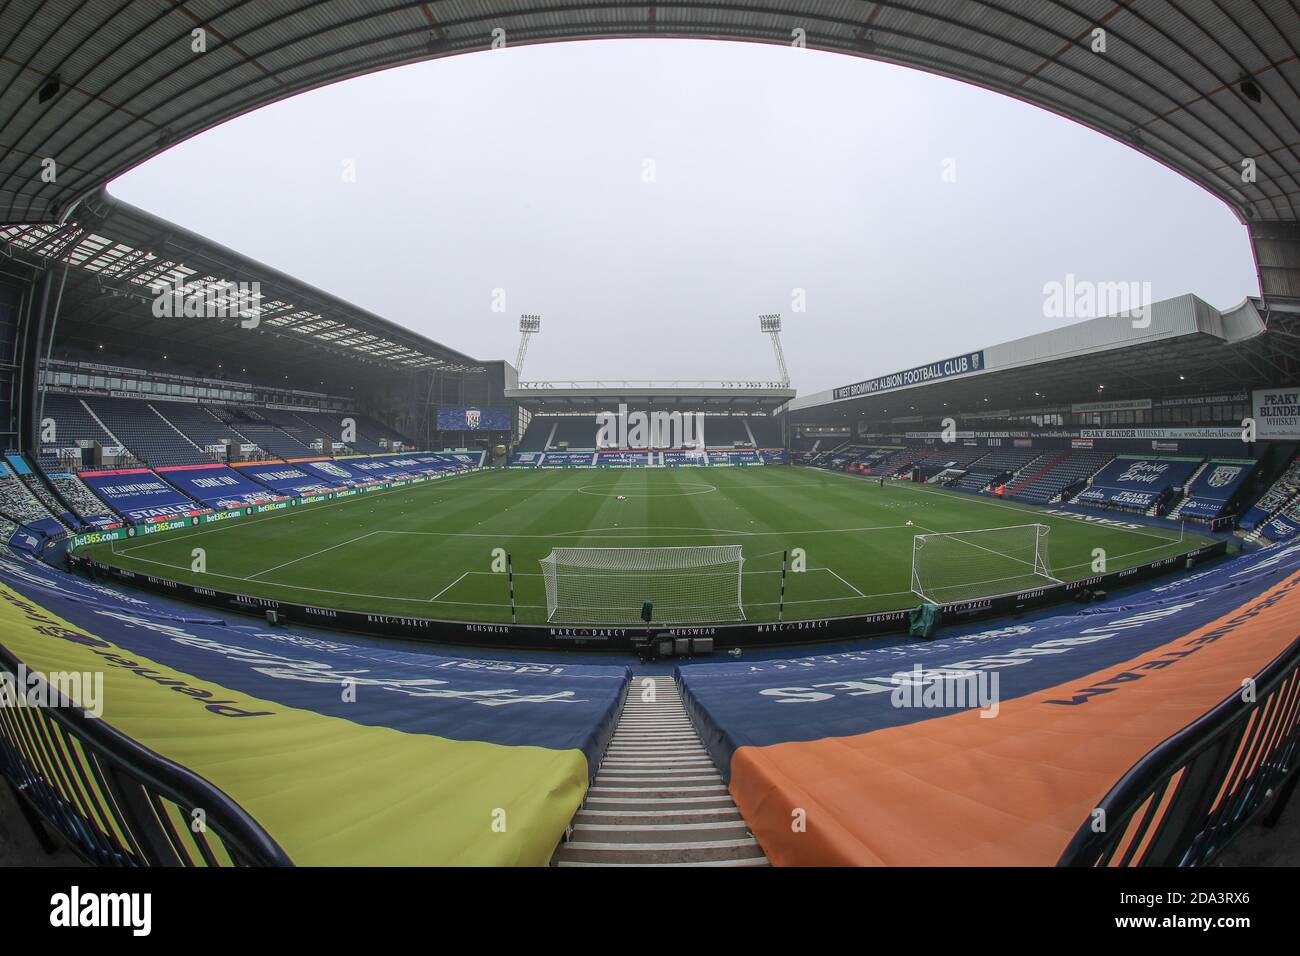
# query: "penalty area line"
{"type": "Point", "coordinates": [450, 586]}
{"type": "Point", "coordinates": [846, 583]}
{"type": "Point", "coordinates": [360, 537]}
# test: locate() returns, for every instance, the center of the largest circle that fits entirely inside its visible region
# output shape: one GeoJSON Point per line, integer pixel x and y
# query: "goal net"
{"type": "Point", "coordinates": [609, 585]}
{"type": "Point", "coordinates": [963, 565]}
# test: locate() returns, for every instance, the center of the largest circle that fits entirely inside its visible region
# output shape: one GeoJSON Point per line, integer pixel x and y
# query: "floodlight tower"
{"type": "Point", "coordinates": [771, 325]}
{"type": "Point", "coordinates": [529, 325]}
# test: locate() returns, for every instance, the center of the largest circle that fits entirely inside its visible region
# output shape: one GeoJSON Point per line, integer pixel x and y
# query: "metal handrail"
{"type": "Point", "coordinates": [1183, 802]}
{"type": "Point", "coordinates": [113, 800]}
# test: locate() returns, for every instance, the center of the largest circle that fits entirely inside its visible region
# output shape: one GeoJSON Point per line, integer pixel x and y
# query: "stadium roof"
{"type": "Point", "coordinates": [119, 257]}
{"type": "Point", "coordinates": [1188, 347]}
{"type": "Point", "coordinates": [1199, 85]}
{"type": "Point", "coordinates": [564, 397]}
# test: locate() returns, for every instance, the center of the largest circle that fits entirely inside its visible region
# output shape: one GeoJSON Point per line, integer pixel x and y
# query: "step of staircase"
{"type": "Point", "coordinates": [658, 800]}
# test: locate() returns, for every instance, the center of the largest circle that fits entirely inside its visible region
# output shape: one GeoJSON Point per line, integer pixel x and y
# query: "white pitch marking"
{"type": "Point", "coordinates": [850, 586]}
{"type": "Point", "coordinates": [360, 537]}
{"type": "Point", "coordinates": [454, 583]}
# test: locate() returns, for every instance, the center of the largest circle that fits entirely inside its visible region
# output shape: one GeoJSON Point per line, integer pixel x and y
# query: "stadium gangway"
{"type": "Point", "coordinates": [114, 801]}
{"type": "Point", "coordinates": [1185, 800]}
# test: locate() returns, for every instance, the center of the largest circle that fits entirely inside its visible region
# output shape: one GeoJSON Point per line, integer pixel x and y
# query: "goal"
{"type": "Point", "coordinates": [609, 585]}
{"type": "Point", "coordinates": [963, 565]}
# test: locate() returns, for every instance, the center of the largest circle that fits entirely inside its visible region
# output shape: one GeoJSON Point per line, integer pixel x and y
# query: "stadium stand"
{"type": "Point", "coordinates": [163, 432]}
{"type": "Point", "coordinates": [392, 784]}
{"type": "Point", "coordinates": [1164, 745]}
{"type": "Point", "coordinates": [57, 509]}
{"type": "Point", "coordinates": [622, 459]}
{"type": "Point", "coordinates": [1047, 480]}
{"type": "Point", "coordinates": [454, 460]}
{"type": "Point", "coordinates": [368, 432]}
{"type": "Point", "coordinates": [199, 424]}
{"type": "Point", "coordinates": [21, 506]}
{"type": "Point", "coordinates": [317, 426]}
{"type": "Point", "coordinates": [568, 459]}
{"type": "Point", "coordinates": [272, 439]}
{"type": "Point", "coordinates": [891, 780]}
{"type": "Point", "coordinates": [903, 462]}
{"type": "Point", "coordinates": [217, 486]}
{"type": "Point", "coordinates": [1130, 483]}
{"type": "Point", "coordinates": [933, 464]}
{"type": "Point", "coordinates": [998, 465]}
{"type": "Point", "coordinates": [536, 435]}
{"type": "Point", "coordinates": [766, 431]}
{"type": "Point", "coordinates": [282, 477]}
{"type": "Point", "coordinates": [574, 431]}
{"type": "Point", "coordinates": [1213, 486]}
{"type": "Point", "coordinates": [1284, 490]}
{"type": "Point", "coordinates": [1284, 525]}
{"type": "Point", "coordinates": [144, 495]}
{"type": "Point", "coordinates": [149, 436]}
{"type": "Point", "coordinates": [871, 457]}
{"type": "Point", "coordinates": [87, 787]}
{"type": "Point", "coordinates": [73, 422]}
{"type": "Point", "coordinates": [722, 456]}
{"type": "Point", "coordinates": [843, 457]}
{"type": "Point", "coordinates": [336, 474]}
{"type": "Point", "coordinates": [83, 501]}
{"type": "Point", "coordinates": [376, 431]}
{"type": "Point", "coordinates": [826, 451]}
{"type": "Point", "coordinates": [290, 425]}
{"type": "Point", "coordinates": [139, 495]}
{"type": "Point", "coordinates": [405, 465]}
{"type": "Point", "coordinates": [578, 432]}
{"type": "Point", "coordinates": [684, 458]}
{"type": "Point", "coordinates": [725, 431]}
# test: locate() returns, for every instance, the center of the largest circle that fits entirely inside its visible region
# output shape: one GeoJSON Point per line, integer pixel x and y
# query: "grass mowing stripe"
{"type": "Point", "coordinates": [405, 544]}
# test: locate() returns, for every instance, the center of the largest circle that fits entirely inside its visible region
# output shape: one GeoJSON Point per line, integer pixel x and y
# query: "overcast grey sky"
{"type": "Point", "coordinates": [770, 170]}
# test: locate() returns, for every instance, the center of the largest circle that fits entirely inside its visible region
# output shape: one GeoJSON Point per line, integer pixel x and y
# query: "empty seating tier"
{"type": "Point", "coordinates": [148, 435]}
{"type": "Point", "coordinates": [997, 465]}
{"type": "Point", "coordinates": [1050, 477]}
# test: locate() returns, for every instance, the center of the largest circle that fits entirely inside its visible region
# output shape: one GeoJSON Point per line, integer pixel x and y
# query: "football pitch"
{"type": "Point", "coordinates": [431, 550]}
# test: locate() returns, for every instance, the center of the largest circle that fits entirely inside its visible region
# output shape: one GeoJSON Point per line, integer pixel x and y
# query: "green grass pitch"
{"type": "Point", "coordinates": [427, 550]}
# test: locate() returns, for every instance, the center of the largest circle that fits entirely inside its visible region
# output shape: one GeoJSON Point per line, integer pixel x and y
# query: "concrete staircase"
{"type": "Point", "coordinates": [1178, 508]}
{"type": "Point", "coordinates": [657, 799]}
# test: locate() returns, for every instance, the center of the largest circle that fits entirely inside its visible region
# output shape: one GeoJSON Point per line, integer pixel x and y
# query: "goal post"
{"type": "Point", "coordinates": [607, 586]}
{"type": "Point", "coordinates": [965, 565]}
